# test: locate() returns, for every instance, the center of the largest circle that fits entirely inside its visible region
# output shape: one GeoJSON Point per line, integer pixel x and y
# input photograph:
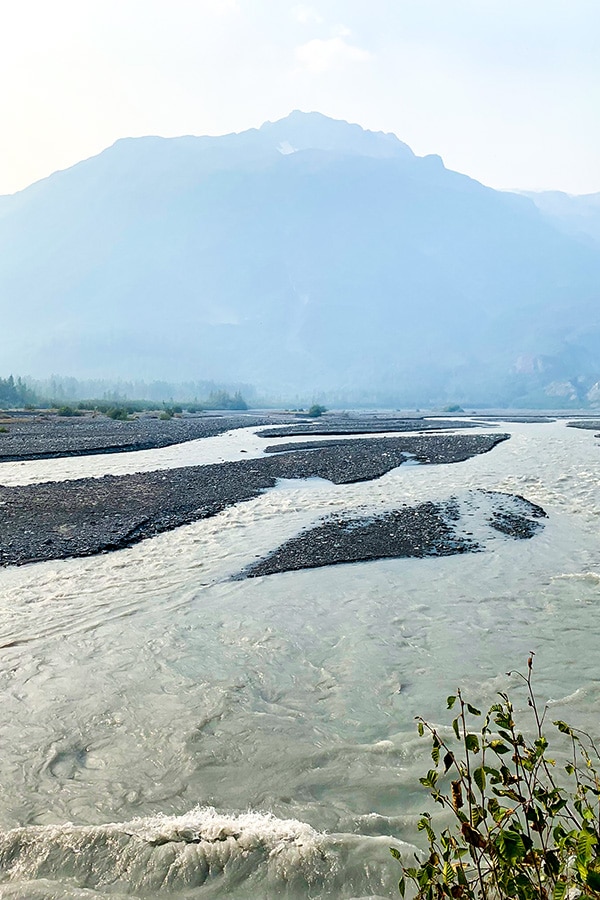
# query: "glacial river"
{"type": "Point", "coordinates": [167, 731]}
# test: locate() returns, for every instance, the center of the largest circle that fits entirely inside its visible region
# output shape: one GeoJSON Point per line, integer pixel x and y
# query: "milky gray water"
{"type": "Point", "coordinates": [168, 731]}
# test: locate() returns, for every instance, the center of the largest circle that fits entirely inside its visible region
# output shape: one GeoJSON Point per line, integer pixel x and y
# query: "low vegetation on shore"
{"type": "Point", "coordinates": [16, 394]}
{"type": "Point", "coordinates": [519, 828]}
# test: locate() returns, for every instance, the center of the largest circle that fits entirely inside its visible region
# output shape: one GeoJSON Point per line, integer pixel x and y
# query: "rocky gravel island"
{"type": "Point", "coordinates": [55, 520]}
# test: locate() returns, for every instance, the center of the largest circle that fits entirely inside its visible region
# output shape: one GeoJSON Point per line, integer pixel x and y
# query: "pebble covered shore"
{"type": "Point", "coordinates": [83, 517]}
{"type": "Point", "coordinates": [53, 437]}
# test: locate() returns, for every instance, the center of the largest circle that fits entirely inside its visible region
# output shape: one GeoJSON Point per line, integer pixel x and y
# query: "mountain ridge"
{"type": "Point", "coordinates": [355, 266]}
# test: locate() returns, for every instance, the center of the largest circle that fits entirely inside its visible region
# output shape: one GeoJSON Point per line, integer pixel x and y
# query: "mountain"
{"type": "Point", "coordinates": [307, 257]}
{"type": "Point", "coordinates": [576, 215]}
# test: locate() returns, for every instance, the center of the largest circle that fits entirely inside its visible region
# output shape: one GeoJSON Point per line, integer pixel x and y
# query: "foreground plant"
{"type": "Point", "coordinates": [521, 829]}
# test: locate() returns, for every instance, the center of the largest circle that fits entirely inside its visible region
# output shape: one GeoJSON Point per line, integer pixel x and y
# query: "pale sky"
{"type": "Point", "coordinates": [507, 91]}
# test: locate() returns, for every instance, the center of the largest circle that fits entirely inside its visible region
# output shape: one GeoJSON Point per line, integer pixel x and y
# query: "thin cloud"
{"type": "Point", "coordinates": [341, 31]}
{"type": "Point", "coordinates": [219, 7]}
{"type": "Point", "coordinates": [322, 55]}
{"type": "Point", "coordinates": [306, 15]}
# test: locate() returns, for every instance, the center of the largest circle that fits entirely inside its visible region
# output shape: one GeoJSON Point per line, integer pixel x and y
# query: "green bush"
{"type": "Point", "coordinates": [316, 410]}
{"type": "Point", "coordinates": [453, 408]}
{"type": "Point", "coordinates": [520, 828]}
{"type": "Point", "coordinates": [68, 411]}
{"type": "Point", "coordinates": [120, 413]}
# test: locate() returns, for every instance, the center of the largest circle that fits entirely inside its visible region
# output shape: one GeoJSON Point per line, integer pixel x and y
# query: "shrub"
{"type": "Point", "coordinates": [68, 411]}
{"type": "Point", "coordinates": [519, 831]}
{"type": "Point", "coordinates": [453, 408]}
{"type": "Point", "coordinates": [119, 413]}
{"type": "Point", "coordinates": [316, 410]}
{"type": "Point", "coordinates": [3, 429]}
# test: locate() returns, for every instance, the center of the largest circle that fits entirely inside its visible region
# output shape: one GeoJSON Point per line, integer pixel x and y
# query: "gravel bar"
{"type": "Point", "coordinates": [419, 531]}
{"type": "Point", "coordinates": [341, 425]}
{"type": "Point", "coordinates": [56, 520]}
{"type": "Point", "coordinates": [588, 424]}
{"type": "Point", "coordinates": [429, 529]}
{"type": "Point", "coordinates": [53, 437]}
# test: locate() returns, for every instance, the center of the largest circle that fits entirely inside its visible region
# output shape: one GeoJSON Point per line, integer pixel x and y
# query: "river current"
{"type": "Point", "coordinates": [166, 730]}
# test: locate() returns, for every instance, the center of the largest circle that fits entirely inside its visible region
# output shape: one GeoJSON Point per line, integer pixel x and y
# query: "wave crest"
{"type": "Point", "coordinates": [184, 855]}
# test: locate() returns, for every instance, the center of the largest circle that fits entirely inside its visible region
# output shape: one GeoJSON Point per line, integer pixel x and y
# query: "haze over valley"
{"type": "Point", "coordinates": [306, 257]}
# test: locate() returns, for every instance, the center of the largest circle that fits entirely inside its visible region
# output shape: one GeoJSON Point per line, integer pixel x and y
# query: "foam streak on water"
{"type": "Point", "coordinates": [146, 683]}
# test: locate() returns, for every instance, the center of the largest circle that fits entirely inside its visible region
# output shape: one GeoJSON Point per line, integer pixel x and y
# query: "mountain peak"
{"type": "Point", "coordinates": [315, 131]}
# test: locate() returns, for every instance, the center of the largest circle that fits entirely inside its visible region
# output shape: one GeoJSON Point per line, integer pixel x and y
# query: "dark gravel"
{"type": "Point", "coordinates": [424, 448]}
{"type": "Point", "coordinates": [95, 515]}
{"type": "Point", "coordinates": [420, 531]}
{"type": "Point", "coordinates": [429, 529]}
{"type": "Point", "coordinates": [588, 424]}
{"type": "Point", "coordinates": [362, 424]}
{"type": "Point", "coordinates": [52, 437]}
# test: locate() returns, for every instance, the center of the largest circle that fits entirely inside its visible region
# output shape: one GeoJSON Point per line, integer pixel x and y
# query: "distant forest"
{"type": "Point", "coordinates": [15, 393]}
{"type": "Point", "coordinates": [56, 392]}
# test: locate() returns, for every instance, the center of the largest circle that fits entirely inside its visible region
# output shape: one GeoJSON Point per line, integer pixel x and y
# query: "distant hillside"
{"type": "Point", "coordinates": [579, 216]}
{"type": "Point", "coordinates": [305, 256]}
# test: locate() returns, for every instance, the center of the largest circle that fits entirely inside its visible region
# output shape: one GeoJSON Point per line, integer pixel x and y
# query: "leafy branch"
{"type": "Point", "coordinates": [518, 830]}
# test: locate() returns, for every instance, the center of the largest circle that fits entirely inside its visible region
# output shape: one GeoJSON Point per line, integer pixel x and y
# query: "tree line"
{"type": "Point", "coordinates": [14, 392]}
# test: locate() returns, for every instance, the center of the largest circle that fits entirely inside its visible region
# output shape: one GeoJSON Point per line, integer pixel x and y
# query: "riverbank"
{"type": "Point", "coordinates": [55, 437]}
{"type": "Point", "coordinates": [83, 517]}
{"type": "Point", "coordinates": [27, 436]}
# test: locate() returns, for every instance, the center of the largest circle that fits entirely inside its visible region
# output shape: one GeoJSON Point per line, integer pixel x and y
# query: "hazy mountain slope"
{"type": "Point", "coordinates": [577, 215]}
{"type": "Point", "coordinates": [349, 264]}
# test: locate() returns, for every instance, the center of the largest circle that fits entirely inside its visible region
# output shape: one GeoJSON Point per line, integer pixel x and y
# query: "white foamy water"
{"type": "Point", "coordinates": [146, 689]}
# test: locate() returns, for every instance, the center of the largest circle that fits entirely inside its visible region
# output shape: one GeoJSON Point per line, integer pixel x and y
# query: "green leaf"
{"type": "Point", "coordinates": [551, 863]}
{"type": "Point", "coordinates": [448, 760]}
{"type": "Point", "coordinates": [456, 728]}
{"type": "Point", "coordinates": [563, 727]}
{"type": "Point", "coordinates": [499, 746]}
{"type": "Point", "coordinates": [451, 700]}
{"type": "Point", "coordinates": [477, 815]}
{"type": "Point", "coordinates": [472, 743]}
{"type": "Point", "coordinates": [503, 720]}
{"type": "Point", "coordinates": [430, 779]}
{"type": "Point", "coordinates": [421, 729]}
{"type": "Point", "coordinates": [510, 793]}
{"type": "Point", "coordinates": [585, 844]}
{"type": "Point", "coordinates": [462, 878]}
{"type": "Point", "coordinates": [593, 878]}
{"type": "Point", "coordinates": [402, 887]}
{"type": "Point", "coordinates": [536, 818]}
{"type": "Point", "coordinates": [473, 710]}
{"type": "Point", "coordinates": [396, 853]}
{"type": "Point", "coordinates": [498, 812]}
{"type": "Point", "coordinates": [448, 875]}
{"type": "Point", "coordinates": [560, 889]}
{"type": "Point", "coordinates": [511, 846]}
{"type": "Point", "coordinates": [479, 778]}
{"type": "Point", "coordinates": [435, 751]}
